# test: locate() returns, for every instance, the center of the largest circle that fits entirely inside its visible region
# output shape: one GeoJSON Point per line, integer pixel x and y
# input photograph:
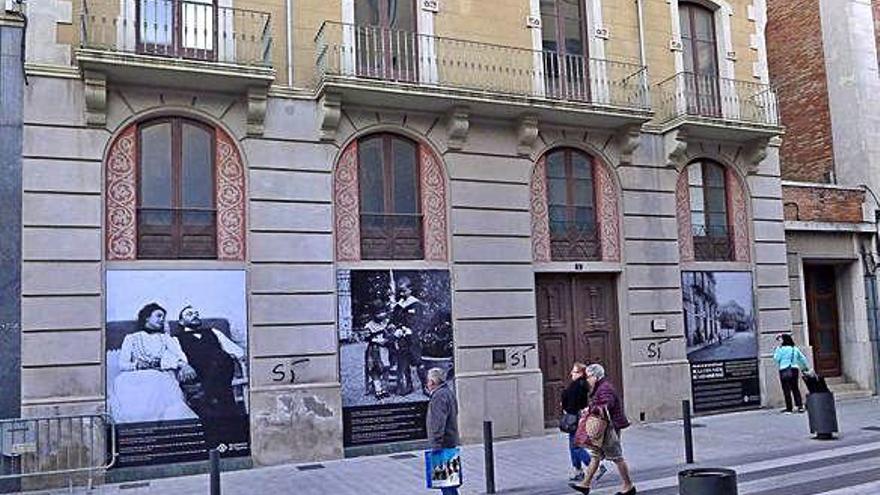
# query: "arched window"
{"type": "Point", "coordinates": [709, 211]}
{"type": "Point", "coordinates": [390, 210]}
{"type": "Point", "coordinates": [175, 190]}
{"type": "Point", "coordinates": [571, 206]}
{"type": "Point", "coordinates": [176, 215]}
{"type": "Point", "coordinates": [700, 57]}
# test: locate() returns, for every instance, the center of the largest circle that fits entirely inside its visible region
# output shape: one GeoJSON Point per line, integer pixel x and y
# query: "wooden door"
{"type": "Point", "coordinates": [822, 318]}
{"type": "Point", "coordinates": [577, 321]}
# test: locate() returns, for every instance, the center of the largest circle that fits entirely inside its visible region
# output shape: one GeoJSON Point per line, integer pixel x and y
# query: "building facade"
{"type": "Point", "coordinates": [829, 162]}
{"type": "Point", "coordinates": [341, 176]}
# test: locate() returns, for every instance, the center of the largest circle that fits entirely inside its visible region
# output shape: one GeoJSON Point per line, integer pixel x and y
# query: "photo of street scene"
{"type": "Point", "coordinates": [719, 316]}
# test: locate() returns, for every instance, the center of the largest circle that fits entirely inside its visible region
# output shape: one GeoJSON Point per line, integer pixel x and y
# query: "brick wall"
{"type": "Point", "coordinates": [796, 62]}
{"type": "Point", "coordinates": [822, 204]}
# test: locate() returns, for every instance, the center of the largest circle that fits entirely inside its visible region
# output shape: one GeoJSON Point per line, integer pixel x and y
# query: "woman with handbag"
{"type": "Point", "coordinates": [790, 361]}
{"type": "Point", "coordinates": [574, 399]}
{"type": "Point", "coordinates": [599, 430]}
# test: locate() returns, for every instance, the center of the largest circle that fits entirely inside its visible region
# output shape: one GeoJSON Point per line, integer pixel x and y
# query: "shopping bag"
{"type": "Point", "coordinates": [443, 468]}
{"type": "Point", "coordinates": [591, 430]}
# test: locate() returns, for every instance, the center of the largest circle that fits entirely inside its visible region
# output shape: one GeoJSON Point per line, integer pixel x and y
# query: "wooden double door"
{"type": "Point", "coordinates": [577, 321]}
{"type": "Point", "coordinates": [820, 284]}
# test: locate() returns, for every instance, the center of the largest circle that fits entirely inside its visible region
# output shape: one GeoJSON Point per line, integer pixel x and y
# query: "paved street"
{"type": "Point", "coordinates": [740, 346]}
{"type": "Point", "coordinates": [771, 452]}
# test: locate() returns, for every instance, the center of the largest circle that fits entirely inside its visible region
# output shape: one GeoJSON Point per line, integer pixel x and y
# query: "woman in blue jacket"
{"type": "Point", "coordinates": [790, 361]}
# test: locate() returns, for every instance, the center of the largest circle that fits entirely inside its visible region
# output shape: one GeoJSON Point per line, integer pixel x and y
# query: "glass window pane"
{"type": "Point", "coordinates": [556, 194]}
{"type": "Point", "coordinates": [704, 25]}
{"type": "Point", "coordinates": [585, 217]}
{"type": "Point", "coordinates": [717, 202]}
{"type": "Point", "coordinates": [401, 15]}
{"type": "Point", "coordinates": [405, 176]}
{"type": "Point", "coordinates": [556, 164]}
{"type": "Point", "coordinates": [684, 20]}
{"type": "Point", "coordinates": [155, 166]}
{"type": "Point", "coordinates": [706, 58]}
{"type": "Point", "coordinates": [558, 221]}
{"type": "Point", "coordinates": [695, 174]}
{"type": "Point", "coordinates": [583, 192]}
{"type": "Point", "coordinates": [197, 162]}
{"type": "Point", "coordinates": [366, 12]}
{"type": "Point", "coordinates": [714, 175]}
{"type": "Point", "coordinates": [155, 23]}
{"type": "Point", "coordinates": [697, 201]}
{"type": "Point", "coordinates": [698, 223]}
{"type": "Point", "coordinates": [581, 166]}
{"type": "Point", "coordinates": [718, 221]}
{"type": "Point", "coordinates": [548, 32]}
{"type": "Point", "coordinates": [371, 179]}
{"type": "Point", "coordinates": [574, 44]}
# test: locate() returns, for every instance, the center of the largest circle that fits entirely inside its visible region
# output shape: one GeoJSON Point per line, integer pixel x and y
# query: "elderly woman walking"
{"type": "Point", "coordinates": [605, 402]}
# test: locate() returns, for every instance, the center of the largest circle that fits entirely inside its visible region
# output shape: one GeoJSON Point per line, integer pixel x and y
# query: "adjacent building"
{"type": "Point", "coordinates": [350, 192]}
{"type": "Point", "coordinates": [824, 66]}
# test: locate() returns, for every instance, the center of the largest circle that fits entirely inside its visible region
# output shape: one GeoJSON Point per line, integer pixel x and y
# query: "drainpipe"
{"type": "Point", "coordinates": [641, 16]}
{"type": "Point", "coordinates": [288, 29]}
{"type": "Point", "coordinates": [871, 295]}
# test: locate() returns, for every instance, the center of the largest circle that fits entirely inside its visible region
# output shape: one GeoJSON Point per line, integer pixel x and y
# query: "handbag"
{"type": "Point", "coordinates": [443, 468]}
{"type": "Point", "coordinates": [568, 423]}
{"type": "Point", "coordinates": [591, 428]}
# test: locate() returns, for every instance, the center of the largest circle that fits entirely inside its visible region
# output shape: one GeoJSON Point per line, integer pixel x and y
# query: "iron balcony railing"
{"type": "Point", "coordinates": [352, 51]}
{"type": "Point", "coordinates": [574, 241]}
{"type": "Point", "coordinates": [185, 29]}
{"type": "Point", "coordinates": [702, 95]}
{"type": "Point", "coordinates": [391, 236]}
{"type": "Point", "coordinates": [712, 243]}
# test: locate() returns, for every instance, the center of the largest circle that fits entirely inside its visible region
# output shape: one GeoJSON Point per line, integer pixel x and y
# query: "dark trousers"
{"type": "Point", "coordinates": [789, 379]}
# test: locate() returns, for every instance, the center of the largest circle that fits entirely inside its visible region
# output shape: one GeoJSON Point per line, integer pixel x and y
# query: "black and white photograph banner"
{"type": "Point", "coordinates": [394, 325]}
{"type": "Point", "coordinates": [722, 340]}
{"type": "Point", "coordinates": [177, 377]}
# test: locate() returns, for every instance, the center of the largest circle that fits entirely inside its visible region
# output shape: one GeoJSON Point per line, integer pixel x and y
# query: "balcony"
{"type": "Point", "coordinates": [433, 73]}
{"type": "Point", "coordinates": [716, 108]}
{"type": "Point", "coordinates": [177, 43]}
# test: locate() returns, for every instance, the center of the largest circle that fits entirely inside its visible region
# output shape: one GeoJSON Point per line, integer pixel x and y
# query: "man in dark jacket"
{"type": "Point", "coordinates": [603, 398]}
{"type": "Point", "coordinates": [442, 418]}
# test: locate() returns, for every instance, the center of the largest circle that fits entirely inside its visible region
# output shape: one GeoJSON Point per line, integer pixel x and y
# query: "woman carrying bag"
{"type": "Point", "coordinates": [791, 361]}
{"type": "Point", "coordinates": [599, 431]}
{"type": "Point", "coordinates": [575, 398]}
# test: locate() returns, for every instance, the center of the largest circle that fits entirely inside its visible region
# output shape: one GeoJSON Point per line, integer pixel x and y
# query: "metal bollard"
{"type": "Point", "coordinates": [489, 456]}
{"type": "Point", "coordinates": [215, 472]}
{"type": "Point", "coordinates": [688, 433]}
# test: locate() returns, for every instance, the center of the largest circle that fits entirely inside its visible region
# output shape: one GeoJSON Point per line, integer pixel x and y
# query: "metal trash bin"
{"type": "Point", "coordinates": [704, 481]}
{"type": "Point", "coordinates": [822, 413]}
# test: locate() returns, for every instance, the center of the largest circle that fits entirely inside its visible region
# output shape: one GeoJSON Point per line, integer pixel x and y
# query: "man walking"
{"type": "Point", "coordinates": [442, 418]}
{"type": "Point", "coordinates": [604, 398]}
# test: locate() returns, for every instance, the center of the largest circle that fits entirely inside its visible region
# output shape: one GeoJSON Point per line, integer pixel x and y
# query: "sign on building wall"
{"type": "Point", "coordinates": [177, 380]}
{"type": "Point", "coordinates": [394, 325]}
{"type": "Point", "coordinates": [722, 340]}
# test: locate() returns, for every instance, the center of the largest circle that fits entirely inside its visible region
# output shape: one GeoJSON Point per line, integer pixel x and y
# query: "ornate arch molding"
{"type": "Point", "coordinates": [611, 148]}
{"type": "Point", "coordinates": [738, 211]}
{"type": "Point", "coordinates": [121, 189]}
{"type": "Point", "coordinates": [607, 200]}
{"type": "Point", "coordinates": [432, 187]}
{"type": "Point", "coordinates": [745, 157]}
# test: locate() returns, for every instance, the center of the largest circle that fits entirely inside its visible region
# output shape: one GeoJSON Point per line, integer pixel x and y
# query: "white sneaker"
{"type": "Point", "coordinates": [575, 474]}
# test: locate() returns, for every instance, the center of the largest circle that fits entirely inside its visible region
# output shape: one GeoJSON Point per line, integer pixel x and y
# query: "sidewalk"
{"type": "Point", "coordinates": [754, 441]}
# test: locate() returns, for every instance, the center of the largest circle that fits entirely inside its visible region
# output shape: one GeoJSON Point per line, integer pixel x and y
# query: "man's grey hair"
{"type": "Point", "coordinates": [596, 370]}
{"type": "Point", "coordinates": [437, 375]}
